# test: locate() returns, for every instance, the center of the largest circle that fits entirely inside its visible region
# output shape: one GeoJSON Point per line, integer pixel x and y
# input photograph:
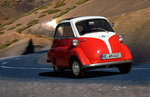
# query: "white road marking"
{"type": "Point", "coordinates": [34, 68]}
{"type": "Point", "coordinates": [23, 68]}
{"type": "Point", "coordinates": [17, 58]}
{"type": "Point", "coordinates": [141, 68]}
{"type": "Point", "coordinates": [4, 63]}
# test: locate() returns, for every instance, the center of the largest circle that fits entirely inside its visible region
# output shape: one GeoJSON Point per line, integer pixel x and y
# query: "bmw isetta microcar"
{"type": "Point", "coordinates": [88, 42]}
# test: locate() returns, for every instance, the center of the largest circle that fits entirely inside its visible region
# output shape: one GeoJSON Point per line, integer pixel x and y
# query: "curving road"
{"type": "Point", "coordinates": [22, 77]}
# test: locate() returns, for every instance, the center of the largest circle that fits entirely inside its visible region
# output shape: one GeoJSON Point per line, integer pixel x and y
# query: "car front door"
{"type": "Point", "coordinates": [63, 37]}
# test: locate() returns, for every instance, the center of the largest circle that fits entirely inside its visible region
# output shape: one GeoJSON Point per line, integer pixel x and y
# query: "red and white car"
{"type": "Point", "coordinates": [88, 42]}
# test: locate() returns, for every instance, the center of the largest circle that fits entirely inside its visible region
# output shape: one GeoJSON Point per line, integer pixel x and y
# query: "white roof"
{"type": "Point", "coordinates": [82, 18]}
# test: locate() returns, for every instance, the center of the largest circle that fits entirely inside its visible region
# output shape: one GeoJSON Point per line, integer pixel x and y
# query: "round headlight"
{"type": "Point", "coordinates": [120, 38]}
{"type": "Point", "coordinates": [75, 42]}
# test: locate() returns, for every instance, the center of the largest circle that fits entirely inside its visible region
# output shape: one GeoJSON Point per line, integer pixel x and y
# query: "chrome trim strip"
{"type": "Point", "coordinates": [107, 63]}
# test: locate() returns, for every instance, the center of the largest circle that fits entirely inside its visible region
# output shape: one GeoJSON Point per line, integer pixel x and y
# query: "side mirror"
{"type": "Point", "coordinates": [113, 24]}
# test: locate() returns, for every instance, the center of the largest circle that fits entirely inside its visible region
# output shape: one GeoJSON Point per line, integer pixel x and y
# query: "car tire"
{"type": "Point", "coordinates": [58, 70]}
{"type": "Point", "coordinates": [125, 68]}
{"type": "Point", "coordinates": [76, 68]}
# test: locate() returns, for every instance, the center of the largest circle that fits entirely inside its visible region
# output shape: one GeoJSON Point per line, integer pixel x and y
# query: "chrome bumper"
{"type": "Point", "coordinates": [107, 64]}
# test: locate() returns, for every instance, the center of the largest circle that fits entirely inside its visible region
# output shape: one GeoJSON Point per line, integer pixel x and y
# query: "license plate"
{"type": "Point", "coordinates": [110, 56]}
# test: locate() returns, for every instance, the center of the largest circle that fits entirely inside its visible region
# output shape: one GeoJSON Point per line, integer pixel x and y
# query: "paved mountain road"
{"type": "Point", "coordinates": [22, 77]}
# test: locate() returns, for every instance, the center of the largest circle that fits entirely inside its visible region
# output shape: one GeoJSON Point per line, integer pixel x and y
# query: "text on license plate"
{"type": "Point", "coordinates": [110, 56]}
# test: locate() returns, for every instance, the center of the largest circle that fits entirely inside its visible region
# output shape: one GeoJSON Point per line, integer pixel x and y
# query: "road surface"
{"type": "Point", "coordinates": [22, 77]}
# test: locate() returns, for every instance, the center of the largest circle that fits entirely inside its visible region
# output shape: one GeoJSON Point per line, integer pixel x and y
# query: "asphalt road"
{"type": "Point", "coordinates": [22, 77]}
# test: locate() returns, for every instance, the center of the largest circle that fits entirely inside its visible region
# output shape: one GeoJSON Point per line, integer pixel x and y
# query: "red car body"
{"type": "Point", "coordinates": [96, 49]}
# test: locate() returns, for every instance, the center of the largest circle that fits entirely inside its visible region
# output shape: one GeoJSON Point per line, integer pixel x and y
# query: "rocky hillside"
{"type": "Point", "coordinates": [13, 8]}
{"type": "Point", "coordinates": [131, 18]}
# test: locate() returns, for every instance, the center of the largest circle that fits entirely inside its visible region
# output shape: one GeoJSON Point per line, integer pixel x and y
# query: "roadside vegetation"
{"type": "Point", "coordinates": [45, 12]}
{"type": "Point", "coordinates": [64, 12]}
{"type": "Point", "coordinates": [50, 11]}
{"type": "Point", "coordinates": [42, 15]}
{"type": "Point", "coordinates": [81, 2]}
{"type": "Point", "coordinates": [21, 29]}
{"type": "Point", "coordinates": [19, 24]}
{"type": "Point", "coordinates": [2, 46]}
{"type": "Point", "coordinates": [26, 14]}
{"type": "Point", "coordinates": [5, 18]}
{"type": "Point", "coordinates": [29, 24]}
{"type": "Point", "coordinates": [59, 3]}
{"type": "Point", "coordinates": [2, 33]}
{"type": "Point", "coordinates": [11, 28]}
{"type": "Point", "coordinates": [2, 28]}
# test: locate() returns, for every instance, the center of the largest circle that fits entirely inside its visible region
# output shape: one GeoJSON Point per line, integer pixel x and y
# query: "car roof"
{"type": "Point", "coordinates": [74, 19]}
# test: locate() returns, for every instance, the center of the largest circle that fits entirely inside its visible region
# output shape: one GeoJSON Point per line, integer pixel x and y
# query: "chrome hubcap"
{"type": "Point", "coordinates": [76, 68]}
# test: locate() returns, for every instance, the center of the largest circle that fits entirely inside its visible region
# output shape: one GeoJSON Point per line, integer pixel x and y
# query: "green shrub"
{"type": "Point", "coordinates": [48, 4]}
{"type": "Point", "coordinates": [2, 33]}
{"type": "Point", "coordinates": [13, 41]}
{"type": "Point", "coordinates": [2, 46]}
{"type": "Point", "coordinates": [11, 21]}
{"type": "Point", "coordinates": [81, 2]}
{"type": "Point", "coordinates": [31, 23]}
{"type": "Point", "coordinates": [11, 28]}
{"type": "Point", "coordinates": [2, 28]}
{"type": "Point", "coordinates": [59, 3]}
{"type": "Point", "coordinates": [64, 12]}
{"type": "Point", "coordinates": [53, 11]}
{"type": "Point", "coordinates": [5, 18]}
{"type": "Point", "coordinates": [21, 29]}
{"type": "Point", "coordinates": [38, 8]}
{"type": "Point", "coordinates": [18, 24]}
{"type": "Point", "coordinates": [45, 11]}
{"type": "Point", "coordinates": [50, 11]}
{"type": "Point", "coordinates": [42, 15]}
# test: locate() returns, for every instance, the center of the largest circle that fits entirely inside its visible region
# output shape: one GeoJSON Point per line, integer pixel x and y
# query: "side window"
{"type": "Point", "coordinates": [64, 30]}
{"type": "Point", "coordinates": [59, 32]}
{"type": "Point", "coordinates": [68, 31]}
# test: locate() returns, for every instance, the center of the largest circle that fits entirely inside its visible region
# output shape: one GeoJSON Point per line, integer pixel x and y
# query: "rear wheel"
{"type": "Point", "coordinates": [58, 70]}
{"type": "Point", "coordinates": [125, 68]}
{"type": "Point", "coordinates": [77, 69]}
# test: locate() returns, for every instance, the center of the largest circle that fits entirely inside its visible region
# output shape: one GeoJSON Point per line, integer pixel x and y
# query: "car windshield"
{"type": "Point", "coordinates": [93, 25]}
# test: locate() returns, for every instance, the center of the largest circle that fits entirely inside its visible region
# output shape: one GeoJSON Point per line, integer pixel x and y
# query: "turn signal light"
{"type": "Point", "coordinates": [120, 38]}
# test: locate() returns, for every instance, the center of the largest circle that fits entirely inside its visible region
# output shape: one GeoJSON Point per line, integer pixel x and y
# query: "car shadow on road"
{"type": "Point", "coordinates": [88, 74]}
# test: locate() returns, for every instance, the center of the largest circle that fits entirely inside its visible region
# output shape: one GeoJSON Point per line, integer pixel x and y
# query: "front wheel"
{"type": "Point", "coordinates": [58, 70]}
{"type": "Point", "coordinates": [125, 68]}
{"type": "Point", "coordinates": [77, 69]}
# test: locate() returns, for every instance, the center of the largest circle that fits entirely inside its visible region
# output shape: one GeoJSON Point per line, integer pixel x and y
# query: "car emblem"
{"type": "Point", "coordinates": [102, 36]}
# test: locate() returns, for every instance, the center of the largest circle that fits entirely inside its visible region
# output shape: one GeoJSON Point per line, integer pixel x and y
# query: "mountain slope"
{"type": "Point", "coordinates": [108, 8]}
{"type": "Point", "coordinates": [131, 17]}
{"type": "Point", "coordinates": [135, 27]}
{"type": "Point", "coordinates": [13, 8]}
